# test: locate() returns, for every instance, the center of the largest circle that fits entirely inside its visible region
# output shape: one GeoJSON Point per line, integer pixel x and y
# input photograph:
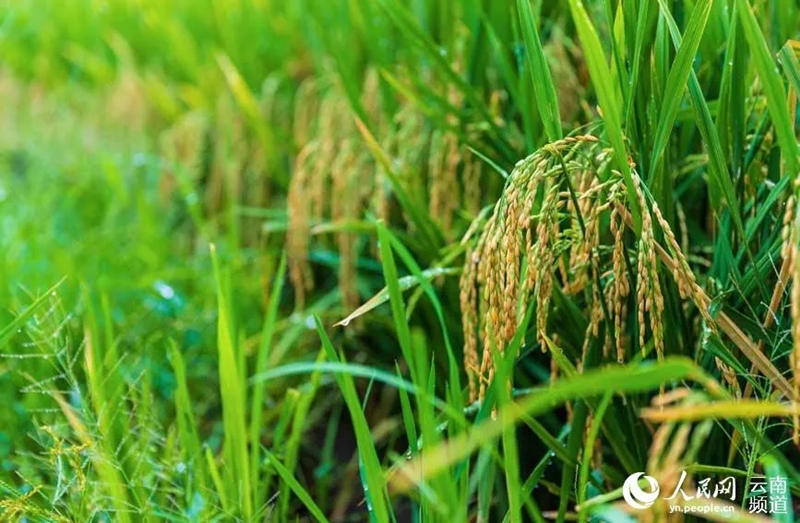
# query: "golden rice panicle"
{"type": "Point", "coordinates": [443, 160]}
{"type": "Point", "coordinates": [183, 146]}
{"type": "Point", "coordinates": [371, 97]}
{"type": "Point", "coordinates": [649, 297]}
{"type": "Point", "coordinates": [126, 102]}
{"type": "Point", "coordinates": [588, 209]}
{"type": "Point", "coordinates": [468, 300]}
{"type": "Point", "coordinates": [331, 129]}
{"type": "Point", "coordinates": [326, 182]}
{"type": "Point", "coordinates": [307, 191]}
{"type": "Point", "coordinates": [681, 272]}
{"type": "Point", "coordinates": [229, 153]}
{"type": "Point", "coordinates": [496, 287]}
{"type": "Point", "coordinates": [306, 107]}
{"type": "Point", "coordinates": [620, 287]}
{"type": "Point", "coordinates": [299, 226]}
{"type": "Point", "coordinates": [409, 140]}
{"type": "Point", "coordinates": [184, 143]}
{"type": "Point", "coordinates": [546, 232]}
{"type": "Point", "coordinates": [591, 210]}
{"type": "Point", "coordinates": [498, 258]}
{"type": "Point", "coordinates": [790, 233]}
{"type": "Point", "coordinates": [345, 177]}
{"type": "Point", "coordinates": [491, 276]}
{"type": "Point", "coordinates": [729, 375]}
{"type": "Point", "coordinates": [593, 327]}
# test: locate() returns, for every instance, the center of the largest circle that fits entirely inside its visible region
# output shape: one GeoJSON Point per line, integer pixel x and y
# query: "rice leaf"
{"type": "Point", "coordinates": [301, 493]}
{"type": "Point", "coordinates": [373, 483]}
{"type": "Point", "coordinates": [721, 182]}
{"type": "Point", "coordinates": [678, 75]}
{"type": "Point", "coordinates": [233, 397]}
{"type": "Point", "coordinates": [542, 82]}
{"type": "Point", "coordinates": [262, 359]}
{"type": "Point", "coordinates": [629, 378]}
{"type": "Point", "coordinates": [772, 85]}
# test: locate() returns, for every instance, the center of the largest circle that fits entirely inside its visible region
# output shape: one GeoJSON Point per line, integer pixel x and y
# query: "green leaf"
{"type": "Point", "coordinates": [373, 482]}
{"type": "Point", "coordinates": [397, 305]}
{"type": "Point", "coordinates": [232, 391]}
{"type": "Point", "coordinates": [772, 85]}
{"type": "Point", "coordinates": [720, 179]}
{"type": "Point", "coordinates": [791, 66]}
{"type": "Point", "coordinates": [543, 88]}
{"type": "Point", "coordinates": [301, 493]}
{"type": "Point", "coordinates": [184, 416]}
{"type": "Point", "coordinates": [619, 379]}
{"type": "Point", "coordinates": [591, 436]}
{"type": "Point", "coordinates": [778, 496]}
{"type": "Point", "coordinates": [405, 283]}
{"type": "Point", "coordinates": [678, 75]}
{"type": "Point", "coordinates": [262, 357]}
{"type": "Point", "coordinates": [10, 330]}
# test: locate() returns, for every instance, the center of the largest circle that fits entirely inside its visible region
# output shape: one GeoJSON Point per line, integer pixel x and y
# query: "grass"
{"type": "Point", "coordinates": [396, 261]}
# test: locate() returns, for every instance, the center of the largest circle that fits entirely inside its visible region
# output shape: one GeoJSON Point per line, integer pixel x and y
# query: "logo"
{"type": "Point", "coordinates": [635, 496]}
{"type": "Point", "coordinates": [767, 494]}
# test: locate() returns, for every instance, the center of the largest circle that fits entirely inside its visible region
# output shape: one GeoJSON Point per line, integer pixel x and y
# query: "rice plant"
{"type": "Point", "coordinates": [355, 260]}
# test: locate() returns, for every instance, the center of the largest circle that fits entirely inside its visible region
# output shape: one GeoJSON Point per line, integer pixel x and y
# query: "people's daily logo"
{"type": "Point", "coordinates": [637, 497]}
{"type": "Point", "coordinates": [764, 495]}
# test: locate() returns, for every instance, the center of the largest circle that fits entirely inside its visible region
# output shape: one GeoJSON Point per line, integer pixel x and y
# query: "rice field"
{"type": "Point", "coordinates": [425, 261]}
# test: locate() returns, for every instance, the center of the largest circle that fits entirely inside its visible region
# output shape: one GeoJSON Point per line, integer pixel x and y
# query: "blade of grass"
{"type": "Point", "coordinates": [620, 379]}
{"type": "Point", "coordinates": [11, 329]}
{"type": "Point", "coordinates": [356, 370]}
{"type": "Point", "coordinates": [233, 397]}
{"type": "Point", "coordinates": [262, 359]}
{"type": "Point", "coordinates": [791, 65]}
{"type": "Point", "coordinates": [405, 283]}
{"type": "Point", "coordinates": [543, 88]}
{"type": "Point", "coordinates": [292, 483]}
{"type": "Point", "coordinates": [408, 417]}
{"type": "Point", "coordinates": [778, 497]}
{"type": "Point", "coordinates": [216, 479]}
{"type": "Point", "coordinates": [568, 474]}
{"type": "Point", "coordinates": [586, 462]}
{"type": "Point", "coordinates": [299, 420]}
{"type": "Point", "coordinates": [504, 364]}
{"type": "Point", "coordinates": [374, 483]}
{"type": "Point", "coordinates": [415, 354]}
{"type": "Point", "coordinates": [721, 183]}
{"type": "Point", "coordinates": [772, 85]}
{"type": "Point", "coordinates": [391, 278]}
{"type": "Point", "coordinates": [678, 76]}
{"type": "Point", "coordinates": [184, 417]}
{"type": "Point", "coordinates": [453, 367]}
